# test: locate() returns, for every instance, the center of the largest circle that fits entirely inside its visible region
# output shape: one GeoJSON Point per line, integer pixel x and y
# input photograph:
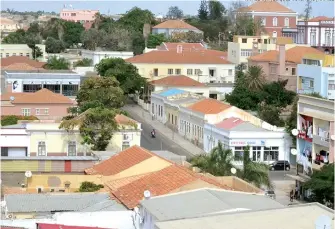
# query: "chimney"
{"type": "Point", "coordinates": [281, 59]}
{"type": "Point", "coordinates": [254, 48]}
{"type": "Point", "coordinates": [179, 49]}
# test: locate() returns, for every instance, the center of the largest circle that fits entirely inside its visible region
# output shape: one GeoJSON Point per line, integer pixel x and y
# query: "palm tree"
{"type": "Point", "coordinates": [256, 173]}
{"type": "Point", "coordinates": [218, 162]}
{"type": "Point", "coordinates": [255, 77]}
{"type": "Point", "coordinates": [57, 63]}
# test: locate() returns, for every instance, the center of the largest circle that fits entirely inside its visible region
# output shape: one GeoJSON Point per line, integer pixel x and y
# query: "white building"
{"type": "Point", "coordinates": [235, 134]}
{"type": "Point", "coordinates": [15, 141]}
{"type": "Point", "coordinates": [8, 50]}
{"type": "Point", "coordinates": [97, 56]}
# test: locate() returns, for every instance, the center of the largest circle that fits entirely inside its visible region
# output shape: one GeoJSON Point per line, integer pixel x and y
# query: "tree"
{"type": "Point", "coordinates": [270, 114]}
{"type": "Point", "coordinates": [83, 63]}
{"type": "Point", "coordinates": [155, 40]}
{"type": "Point", "coordinates": [36, 52]}
{"type": "Point", "coordinates": [255, 77]}
{"type": "Point", "coordinates": [72, 32]}
{"type": "Point", "coordinates": [92, 38]}
{"type": "Point", "coordinates": [174, 13]}
{"type": "Point", "coordinates": [276, 94]}
{"type": "Point", "coordinates": [31, 41]}
{"type": "Point", "coordinates": [87, 186]}
{"type": "Point", "coordinates": [125, 73]}
{"type": "Point", "coordinates": [56, 63]}
{"type": "Point", "coordinates": [100, 92]}
{"type": "Point", "coordinates": [216, 10]}
{"type": "Point", "coordinates": [203, 10]}
{"type": "Point", "coordinates": [321, 185]}
{"type": "Point", "coordinates": [291, 122]}
{"type": "Point", "coordinates": [17, 37]}
{"type": "Point", "coordinates": [34, 28]}
{"type": "Point", "coordinates": [256, 173]}
{"type": "Point", "coordinates": [117, 39]}
{"type": "Point", "coordinates": [308, 10]}
{"type": "Point", "coordinates": [53, 45]}
{"type": "Point", "coordinates": [7, 120]}
{"type": "Point", "coordinates": [218, 162]}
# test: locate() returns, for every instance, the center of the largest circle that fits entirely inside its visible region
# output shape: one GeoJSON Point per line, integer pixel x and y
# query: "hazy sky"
{"type": "Point", "coordinates": [325, 8]}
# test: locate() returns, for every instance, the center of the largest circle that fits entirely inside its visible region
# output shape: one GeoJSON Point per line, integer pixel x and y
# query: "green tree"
{"type": "Point", "coordinates": [255, 77]}
{"type": "Point", "coordinates": [270, 114]}
{"type": "Point", "coordinates": [53, 45]}
{"type": "Point", "coordinates": [135, 19]}
{"type": "Point", "coordinates": [32, 40]}
{"type": "Point", "coordinates": [18, 37]}
{"type": "Point", "coordinates": [72, 32]}
{"type": "Point", "coordinates": [155, 40]}
{"type": "Point", "coordinates": [203, 10]}
{"type": "Point", "coordinates": [92, 38]}
{"type": "Point", "coordinates": [87, 186]}
{"type": "Point", "coordinates": [321, 185]}
{"type": "Point", "coordinates": [218, 162]}
{"type": "Point", "coordinates": [256, 173]}
{"type": "Point", "coordinates": [100, 92]}
{"type": "Point", "coordinates": [7, 120]}
{"type": "Point", "coordinates": [276, 94]}
{"type": "Point", "coordinates": [56, 63]}
{"type": "Point", "coordinates": [174, 13]}
{"type": "Point", "coordinates": [34, 28]}
{"type": "Point", "coordinates": [216, 10]}
{"type": "Point", "coordinates": [83, 63]}
{"type": "Point", "coordinates": [125, 73]}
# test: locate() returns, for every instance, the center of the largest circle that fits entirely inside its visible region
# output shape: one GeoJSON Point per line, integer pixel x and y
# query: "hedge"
{"type": "Point", "coordinates": [7, 120]}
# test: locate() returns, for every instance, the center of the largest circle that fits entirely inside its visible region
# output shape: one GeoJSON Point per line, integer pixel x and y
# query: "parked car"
{"type": "Point", "coordinates": [280, 165]}
{"type": "Point", "coordinates": [270, 194]}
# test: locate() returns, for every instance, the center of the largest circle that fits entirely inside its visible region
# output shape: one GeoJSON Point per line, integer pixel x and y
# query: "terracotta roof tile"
{"type": "Point", "coordinates": [190, 57]}
{"type": "Point", "coordinates": [6, 21]}
{"type": "Point", "coordinates": [229, 123]}
{"type": "Point", "coordinates": [121, 161]}
{"type": "Point", "coordinates": [179, 80]}
{"type": "Point", "coordinates": [174, 24]}
{"type": "Point", "coordinates": [43, 96]}
{"type": "Point", "coordinates": [320, 18]}
{"type": "Point", "coordinates": [159, 183]}
{"type": "Point", "coordinates": [186, 46]}
{"type": "Point", "coordinates": [116, 184]}
{"type": "Point", "coordinates": [294, 55]}
{"type": "Point", "coordinates": [267, 6]}
{"type": "Point", "coordinates": [20, 63]}
{"type": "Point", "coordinates": [122, 119]}
{"type": "Point", "coordinates": [209, 106]}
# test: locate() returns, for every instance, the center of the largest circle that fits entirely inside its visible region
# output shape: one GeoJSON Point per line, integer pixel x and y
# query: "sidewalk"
{"type": "Point", "coordinates": [144, 116]}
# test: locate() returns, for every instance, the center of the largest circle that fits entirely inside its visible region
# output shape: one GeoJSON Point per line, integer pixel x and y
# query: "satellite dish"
{"type": "Point", "coordinates": [295, 132]}
{"type": "Point", "coordinates": [12, 98]}
{"type": "Point", "coordinates": [147, 194]}
{"type": "Point", "coordinates": [28, 174]}
{"type": "Point", "coordinates": [323, 222]}
{"type": "Point", "coordinates": [233, 170]}
{"type": "Point", "coordinates": [294, 152]}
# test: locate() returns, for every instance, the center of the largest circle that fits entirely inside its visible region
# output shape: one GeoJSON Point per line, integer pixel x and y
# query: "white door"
{"type": "Point", "coordinates": [17, 152]}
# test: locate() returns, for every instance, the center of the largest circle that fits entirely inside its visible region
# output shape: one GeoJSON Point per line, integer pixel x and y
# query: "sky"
{"type": "Point", "coordinates": [158, 7]}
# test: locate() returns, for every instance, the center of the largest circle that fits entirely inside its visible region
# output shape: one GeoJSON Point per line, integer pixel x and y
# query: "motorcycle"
{"type": "Point", "coordinates": [153, 134]}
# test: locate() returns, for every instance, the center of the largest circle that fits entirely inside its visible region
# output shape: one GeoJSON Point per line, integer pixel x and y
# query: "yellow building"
{"type": "Point", "coordinates": [243, 47]}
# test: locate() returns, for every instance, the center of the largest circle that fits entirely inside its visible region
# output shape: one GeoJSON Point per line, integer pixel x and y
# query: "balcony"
{"type": "Point", "coordinates": [303, 135]}
{"type": "Point", "coordinates": [321, 141]}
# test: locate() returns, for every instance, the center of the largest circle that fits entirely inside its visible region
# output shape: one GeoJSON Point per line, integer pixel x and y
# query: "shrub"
{"type": "Point", "coordinates": [87, 186]}
{"type": "Point", "coordinates": [7, 120]}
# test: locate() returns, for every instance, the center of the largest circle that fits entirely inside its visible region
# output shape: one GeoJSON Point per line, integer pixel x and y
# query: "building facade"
{"type": "Point", "coordinates": [81, 16]}
{"type": "Point", "coordinates": [171, 28]}
{"type": "Point", "coordinates": [8, 26]}
{"type": "Point", "coordinates": [97, 56]}
{"type": "Point", "coordinates": [8, 50]}
{"type": "Point", "coordinates": [317, 74]}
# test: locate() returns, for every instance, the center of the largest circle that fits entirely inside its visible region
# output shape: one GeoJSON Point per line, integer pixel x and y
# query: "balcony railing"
{"type": "Point", "coordinates": [321, 141]}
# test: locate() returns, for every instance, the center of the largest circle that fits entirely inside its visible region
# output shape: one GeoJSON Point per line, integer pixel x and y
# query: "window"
{"type": "Point", "coordinates": [313, 37]}
{"type": "Point", "coordinates": [238, 153]}
{"type": "Point", "coordinates": [287, 22]}
{"type": "Point", "coordinates": [170, 71]}
{"type": "Point", "coordinates": [271, 153]}
{"type": "Point", "coordinates": [21, 54]}
{"type": "Point", "coordinates": [274, 34]}
{"type": "Point", "coordinates": [265, 41]}
{"type": "Point", "coordinates": [311, 83]}
{"type": "Point", "coordinates": [156, 72]}
{"type": "Point", "coordinates": [178, 71]}
{"type": "Point", "coordinates": [244, 40]}
{"type": "Point", "coordinates": [189, 71]}
{"type": "Point", "coordinates": [26, 111]}
{"type": "Point", "coordinates": [331, 85]}
{"type": "Point", "coordinates": [256, 153]}
{"type": "Point", "coordinates": [41, 149]}
{"type": "Point", "coordinates": [37, 111]}
{"type": "Point", "coordinates": [7, 54]}
{"type": "Point", "coordinates": [46, 111]}
{"type": "Point", "coordinates": [246, 52]}
{"type": "Point", "coordinates": [125, 145]}
{"type": "Point", "coordinates": [230, 72]}
{"type": "Point", "coordinates": [273, 69]}
{"type": "Point", "coordinates": [70, 89]}
{"type": "Point", "coordinates": [73, 14]}
{"type": "Point", "coordinates": [52, 87]}
{"type": "Point", "coordinates": [31, 87]}
{"type": "Point", "coordinates": [293, 72]}
{"type": "Point", "coordinates": [259, 41]}
{"type": "Point", "coordinates": [263, 21]}
{"type": "Point", "coordinates": [28, 54]}
{"type": "Point", "coordinates": [274, 21]}
{"type": "Point", "coordinates": [71, 148]}
{"type": "Point", "coordinates": [327, 36]}
{"type": "Point", "coordinates": [197, 72]}
{"type": "Point", "coordinates": [14, 54]}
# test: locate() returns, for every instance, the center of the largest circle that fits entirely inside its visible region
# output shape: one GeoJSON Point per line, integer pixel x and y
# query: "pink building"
{"type": "Point", "coordinates": [83, 16]}
{"type": "Point", "coordinates": [43, 104]}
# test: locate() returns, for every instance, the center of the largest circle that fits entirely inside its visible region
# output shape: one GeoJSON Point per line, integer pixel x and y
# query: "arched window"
{"type": "Point", "coordinates": [274, 21]}
{"type": "Point", "coordinates": [287, 22]}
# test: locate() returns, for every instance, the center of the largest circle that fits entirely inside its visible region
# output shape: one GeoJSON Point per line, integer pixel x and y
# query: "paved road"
{"type": "Point", "coordinates": [280, 175]}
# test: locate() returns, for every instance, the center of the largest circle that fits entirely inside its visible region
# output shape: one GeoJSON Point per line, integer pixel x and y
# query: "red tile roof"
{"type": "Point", "coordinates": [121, 161]}
{"type": "Point", "coordinates": [158, 183]}
{"type": "Point", "coordinates": [122, 119]}
{"type": "Point", "coordinates": [189, 57]}
{"type": "Point", "coordinates": [294, 55]}
{"type": "Point", "coordinates": [60, 226]}
{"type": "Point", "coordinates": [229, 123]}
{"type": "Point", "coordinates": [321, 18]}
{"type": "Point", "coordinates": [43, 96]}
{"type": "Point", "coordinates": [174, 24]}
{"type": "Point", "coordinates": [209, 106]}
{"type": "Point", "coordinates": [20, 63]}
{"type": "Point", "coordinates": [266, 6]}
{"type": "Point", "coordinates": [178, 81]}
{"type": "Point", "coordinates": [186, 46]}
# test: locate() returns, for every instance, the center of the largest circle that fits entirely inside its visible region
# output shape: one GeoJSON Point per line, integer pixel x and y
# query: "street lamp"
{"type": "Point", "coordinates": [233, 171]}
{"type": "Point", "coordinates": [295, 133]}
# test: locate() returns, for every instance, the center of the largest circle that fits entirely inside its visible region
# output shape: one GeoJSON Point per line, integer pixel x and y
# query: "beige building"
{"type": "Point", "coordinates": [8, 26]}
{"type": "Point", "coordinates": [242, 46]}
{"type": "Point", "coordinates": [8, 50]}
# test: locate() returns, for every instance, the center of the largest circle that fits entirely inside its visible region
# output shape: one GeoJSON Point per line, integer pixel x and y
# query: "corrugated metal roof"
{"type": "Point", "coordinates": [170, 156]}
{"type": "Point", "coordinates": [203, 202]}
{"type": "Point", "coordinates": [172, 92]}
{"type": "Point", "coordinates": [52, 202]}
{"type": "Point", "coordinates": [247, 126]}
{"type": "Point", "coordinates": [107, 205]}
{"type": "Point", "coordinates": [52, 158]}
